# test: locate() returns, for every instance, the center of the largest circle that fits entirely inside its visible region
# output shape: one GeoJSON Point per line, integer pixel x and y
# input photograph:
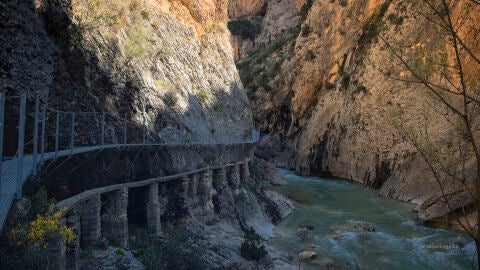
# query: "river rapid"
{"type": "Point", "coordinates": [397, 243]}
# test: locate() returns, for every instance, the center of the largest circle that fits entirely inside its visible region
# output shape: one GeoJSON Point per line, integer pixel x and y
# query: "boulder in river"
{"type": "Point", "coordinates": [307, 255]}
{"type": "Point", "coordinates": [356, 227]}
{"type": "Point", "coordinates": [303, 233]}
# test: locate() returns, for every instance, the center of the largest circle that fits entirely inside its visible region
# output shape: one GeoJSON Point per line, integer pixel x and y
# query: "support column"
{"type": "Point", "coordinates": [35, 134]}
{"type": "Point", "coordinates": [234, 180]}
{"type": "Point", "coordinates": [21, 144]}
{"type": "Point", "coordinates": [220, 179]}
{"type": "Point", "coordinates": [73, 248]}
{"type": "Point", "coordinates": [57, 252]}
{"type": "Point", "coordinates": [224, 200]}
{"type": "Point", "coordinates": [206, 189]}
{"type": "Point", "coordinates": [244, 172]}
{"type": "Point", "coordinates": [2, 118]}
{"type": "Point", "coordinates": [183, 197]}
{"type": "Point", "coordinates": [90, 222]}
{"type": "Point", "coordinates": [153, 211]}
{"type": "Point", "coordinates": [193, 185]}
{"type": "Point", "coordinates": [114, 219]}
{"type": "Point", "coordinates": [183, 186]}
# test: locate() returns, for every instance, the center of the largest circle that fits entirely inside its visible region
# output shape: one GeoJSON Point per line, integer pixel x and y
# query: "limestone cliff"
{"type": "Point", "coordinates": [162, 60]}
{"type": "Point", "coordinates": [278, 17]}
{"type": "Point", "coordinates": [240, 8]}
{"type": "Point", "coordinates": [328, 110]}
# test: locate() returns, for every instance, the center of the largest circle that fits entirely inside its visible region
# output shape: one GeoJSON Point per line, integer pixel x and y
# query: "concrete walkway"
{"type": "Point", "coordinates": [9, 168]}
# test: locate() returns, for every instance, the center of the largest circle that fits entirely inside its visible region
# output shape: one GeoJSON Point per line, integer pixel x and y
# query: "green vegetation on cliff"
{"type": "Point", "coordinates": [254, 70]}
{"type": "Point", "coordinates": [244, 28]}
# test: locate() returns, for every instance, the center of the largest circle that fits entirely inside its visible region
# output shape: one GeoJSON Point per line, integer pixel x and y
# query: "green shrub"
{"type": "Point", "coordinates": [135, 43]}
{"type": "Point", "coordinates": [306, 8]}
{"type": "Point", "coordinates": [145, 14]}
{"type": "Point", "coordinates": [361, 89]}
{"type": "Point", "coordinates": [174, 252]}
{"type": "Point", "coordinates": [345, 80]}
{"type": "Point", "coordinates": [161, 83]}
{"type": "Point", "coordinates": [202, 96]}
{"type": "Point", "coordinates": [310, 55]}
{"type": "Point", "coordinates": [306, 30]}
{"type": "Point", "coordinates": [212, 222]}
{"type": "Point", "coordinates": [343, 3]}
{"type": "Point", "coordinates": [244, 28]}
{"type": "Point", "coordinates": [329, 86]}
{"type": "Point", "coordinates": [251, 248]}
{"type": "Point", "coordinates": [170, 98]}
{"type": "Point", "coordinates": [394, 19]}
{"type": "Point", "coordinates": [120, 252]}
{"type": "Point", "coordinates": [213, 27]}
{"type": "Point", "coordinates": [371, 28]}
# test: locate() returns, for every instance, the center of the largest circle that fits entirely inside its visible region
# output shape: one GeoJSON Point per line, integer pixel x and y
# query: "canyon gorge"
{"type": "Point", "coordinates": [318, 78]}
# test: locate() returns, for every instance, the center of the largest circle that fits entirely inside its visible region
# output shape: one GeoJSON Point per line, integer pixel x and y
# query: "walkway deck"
{"type": "Point", "coordinates": [9, 168]}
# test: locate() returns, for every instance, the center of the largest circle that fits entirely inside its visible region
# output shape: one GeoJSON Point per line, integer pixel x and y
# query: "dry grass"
{"type": "Point", "coordinates": [109, 17]}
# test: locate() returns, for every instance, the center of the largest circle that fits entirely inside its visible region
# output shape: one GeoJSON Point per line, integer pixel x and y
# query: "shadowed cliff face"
{"type": "Point", "coordinates": [326, 109]}
{"type": "Point", "coordinates": [167, 60]}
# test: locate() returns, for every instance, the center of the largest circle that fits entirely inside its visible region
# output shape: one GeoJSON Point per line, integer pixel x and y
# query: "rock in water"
{"type": "Point", "coordinates": [266, 171]}
{"type": "Point", "coordinates": [306, 255]}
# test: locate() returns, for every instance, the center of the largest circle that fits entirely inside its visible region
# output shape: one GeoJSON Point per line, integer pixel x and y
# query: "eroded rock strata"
{"type": "Point", "coordinates": [325, 105]}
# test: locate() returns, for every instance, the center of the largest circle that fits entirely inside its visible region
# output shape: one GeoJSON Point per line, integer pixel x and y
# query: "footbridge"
{"type": "Point", "coordinates": [46, 134]}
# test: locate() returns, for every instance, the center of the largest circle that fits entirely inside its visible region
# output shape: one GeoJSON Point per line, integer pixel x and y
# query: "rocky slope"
{"type": "Point", "coordinates": [276, 18]}
{"type": "Point", "coordinates": [160, 60]}
{"type": "Point", "coordinates": [327, 109]}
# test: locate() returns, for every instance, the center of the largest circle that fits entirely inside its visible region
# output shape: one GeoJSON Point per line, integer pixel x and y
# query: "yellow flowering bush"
{"type": "Point", "coordinates": [43, 229]}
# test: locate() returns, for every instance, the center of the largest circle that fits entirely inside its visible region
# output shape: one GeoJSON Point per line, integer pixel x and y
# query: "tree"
{"type": "Point", "coordinates": [443, 59]}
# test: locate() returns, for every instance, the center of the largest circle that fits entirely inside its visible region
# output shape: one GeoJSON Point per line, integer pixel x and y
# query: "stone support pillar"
{"type": "Point", "coordinates": [220, 179]}
{"type": "Point", "coordinates": [90, 223]}
{"type": "Point", "coordinates": [114, 218]}
{"type": "Point", "coordinates": [193, 185]}
{"type": "Point", "coordinates": [206, 189]}
{"type": "Point", "coordinates": [183, 196]}
{"type": "Point", "coordinates": [73, 248]}
{"type": "Point", "coordinates": [57, 252]}
{"type": "Point", "coordinates": [244, 172]}
{"type": "Point", "coordinates": [234, 179]}
{"type": "Point", "coordinates": [153, 211]}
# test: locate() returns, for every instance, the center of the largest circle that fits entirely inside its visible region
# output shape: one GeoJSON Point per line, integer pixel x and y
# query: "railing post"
{"type": "Point", "coordinates": [57, 130]}
{"type": "Point", "coordinates": [2, 114]}
{"type": "Point", "coordinates": [72, 137]}
{"type": "Point", "coordinates": [125, 129]}
{"type": "Point", "coordinates": [21, 145]}
{"type": "Point", "coordinates": [35, 135]}
{"type": "Point", "coordinates": [103, 129]}
{"type": "Point", "coordinates": [42, 147]}
{"type": "Point", "coordinates": [144, 130]}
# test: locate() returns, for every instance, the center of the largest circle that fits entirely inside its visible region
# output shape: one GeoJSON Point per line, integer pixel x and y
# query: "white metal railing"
{"type": "Point", "coordinates": [70, 131]}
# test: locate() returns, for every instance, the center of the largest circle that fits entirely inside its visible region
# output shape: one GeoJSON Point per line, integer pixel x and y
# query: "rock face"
{"type": "Point", "coordinates": [112, 259]}
{"type": "Point", "coordinates": [277, 17]}
{"type": "Point", "coordinates": [266, 171]}
{"type": "Point", "coordinates": [326, 109]}
{"type": "Point", "coordinates": [238, 8]}
{"type": "Point", "coordinates": [158, 60]}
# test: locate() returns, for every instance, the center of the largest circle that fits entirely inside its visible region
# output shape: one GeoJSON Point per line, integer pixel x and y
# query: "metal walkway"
{"type": "Point", "coordinates": [15, 171]}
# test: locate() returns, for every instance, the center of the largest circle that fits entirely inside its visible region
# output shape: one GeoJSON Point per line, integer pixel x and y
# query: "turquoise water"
{"type": "Point", "coordinates": [397, 243]}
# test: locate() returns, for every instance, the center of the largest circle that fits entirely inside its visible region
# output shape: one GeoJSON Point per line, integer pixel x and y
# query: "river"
{"type": "Point", "coordinates": [397, 243]}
